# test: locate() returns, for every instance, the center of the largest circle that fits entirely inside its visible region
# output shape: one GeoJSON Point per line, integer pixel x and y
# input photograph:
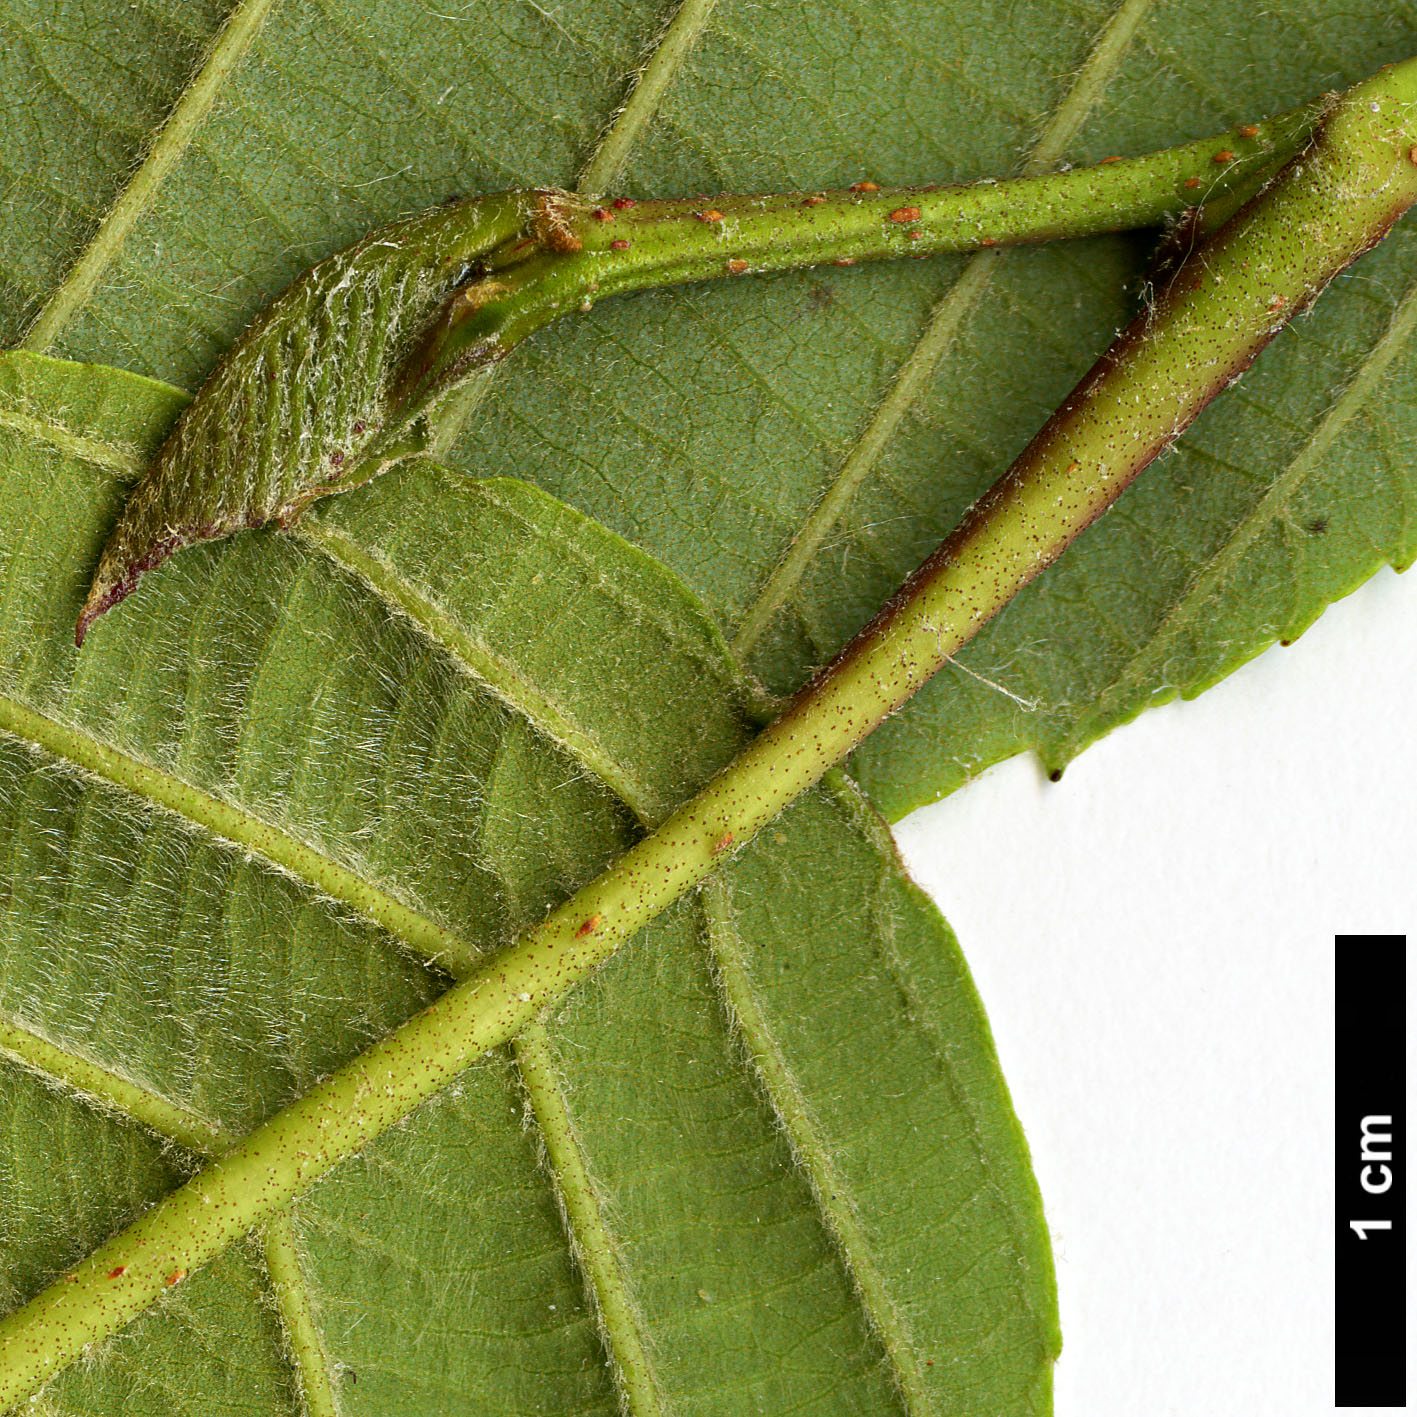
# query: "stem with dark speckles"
{"type": "Point", "coordinates": [448, 293]}
{"type": "Point", "coordinates": [1225, 302]}
{"type": "Point", "coordinates": [597, 251]}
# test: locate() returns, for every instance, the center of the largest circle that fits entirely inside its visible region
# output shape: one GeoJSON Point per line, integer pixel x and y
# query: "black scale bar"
{"type": "Point", "coordinates": [1370, 1135]}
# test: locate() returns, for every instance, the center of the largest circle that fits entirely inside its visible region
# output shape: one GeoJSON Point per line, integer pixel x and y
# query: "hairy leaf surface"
{"type": "Point", "coordinates": [451, 699]}
{"type": "Point", "coordinates": [441, 715]}
{"type": "Point", "coordinates": [712, 426]}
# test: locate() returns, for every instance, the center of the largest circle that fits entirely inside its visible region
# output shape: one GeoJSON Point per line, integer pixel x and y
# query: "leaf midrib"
{"type": "Point", "coordinates": [635, 1377]}
{"type": "Point", "coordinates": [786, 1102]}
{"type": "Point", "coordinates": [672, 48]}
{"type": "Point", "coordinates": [1200, 590]}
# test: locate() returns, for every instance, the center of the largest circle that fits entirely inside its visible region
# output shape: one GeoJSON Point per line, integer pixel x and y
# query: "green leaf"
{"type": "Point", "coordinates": [710, 425]}
{"type": "Point", "coordinates": [442, 708]}
{"type": "Point", "coordinates": [381, 783]}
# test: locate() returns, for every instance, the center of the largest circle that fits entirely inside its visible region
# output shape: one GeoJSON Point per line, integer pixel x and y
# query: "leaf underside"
{"type": "Point", "coordinates": [451, 698]}
{"type": "Point", "coordinates": [427, 701]}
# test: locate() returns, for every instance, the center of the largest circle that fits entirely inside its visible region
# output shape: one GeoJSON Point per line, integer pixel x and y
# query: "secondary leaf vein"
{"type": "Point", "coordinates": [915, 374]}
{"type": "Point", "coordinates": [224, 819]}
{"type": "Point", "coordinates": [111, 1091]}
{"type": "Point", "coordinates": [810, 1148]}
{"type": "Point", "coordinates": [170, 144]}
{"type": "Point", "coordinates": [306, 1350]}
{"type": "Point", "coordinates": [595, 1248]}
{"type": "Point", "coordinates": [497, 675]}
{"type": "Point", "coordinates": [669, 52]}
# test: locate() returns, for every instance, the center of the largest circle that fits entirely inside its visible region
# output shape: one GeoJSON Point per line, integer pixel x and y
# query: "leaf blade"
{"type": "Point", "coordinates": [528, 578]}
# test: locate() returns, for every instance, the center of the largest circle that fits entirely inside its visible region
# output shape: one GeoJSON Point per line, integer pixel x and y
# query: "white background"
{"type": "Point", "coordinates": [1153, 939]}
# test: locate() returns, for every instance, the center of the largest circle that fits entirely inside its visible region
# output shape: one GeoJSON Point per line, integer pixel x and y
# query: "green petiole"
{"type": "Point", "coordinates": [1224, 303]}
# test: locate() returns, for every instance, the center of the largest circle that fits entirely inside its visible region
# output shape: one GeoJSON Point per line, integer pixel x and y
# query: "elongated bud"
{"type": "Point", "coordinates": [295, 408]}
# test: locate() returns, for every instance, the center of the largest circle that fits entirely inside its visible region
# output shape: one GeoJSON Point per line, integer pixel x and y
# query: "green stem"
{"type": "Point", "coordinates": [1224, 304]}
{"type": "Point", "coordinates": [346, 372]}
{"type": "Point", "coordinates": [602, 250]}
